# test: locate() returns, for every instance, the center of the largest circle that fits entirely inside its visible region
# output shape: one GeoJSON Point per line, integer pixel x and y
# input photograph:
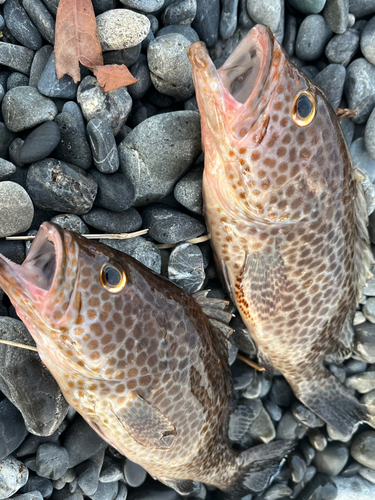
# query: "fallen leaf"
{"type": "Point", "coordinates": [114, 76]}
{"type": "Point", "coordinates": [76, 39]}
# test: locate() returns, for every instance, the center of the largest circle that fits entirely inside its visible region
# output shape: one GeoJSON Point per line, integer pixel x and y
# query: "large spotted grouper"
{"type": "Point", "coordinates": [287, 216]}
{"type": "Point", "coordinates": [138, 359]}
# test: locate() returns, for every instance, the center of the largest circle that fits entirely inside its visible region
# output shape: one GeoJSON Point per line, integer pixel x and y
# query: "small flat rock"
{"type": "Point", "coordinates": [361, 382]}
{"type": "Point", "coordinates": [180, 12]}
{"type": "Point", "coordinates": [16, 209]}
{"type": "Point", "coordinates": [188, 191]}
{"type": "Point", "coordinates": [39, 63]}
{"type": "Point", "coordinates": [274, 411]}
{"type": "Point", "coordinates": [16, 57]}
{"type": "Point", "coordinates": [12, 428]}
{"type": "Point", "coordinates": [364, 342]}
{"type": "Point", "coordinates": [308, 6]}
{"type": "Point", "coordinates": [206, 21]}
{"type": "Point", "coordinates": [331, 81]}
{"type": "Point", "coordinates": [143, 5]}
{"type": "Point", "coordinates": [360, 88]}
{"type": "Point", "coordinates": [158, 152]}
{"type": "Point", "coordinates": [341, 48]}
{"type": "Point", "coordinates": [146, 252]}
{"type": "Point", "coordinates": [7, 169]}
{"type": "Point", "coordinates": [113, 106]}
{"type": "Point", "coordinates": [185, 267]}
{"type": "Point", "coordinates": [52, 461]}
{"type": "Point", "coordinates": [369, 309]}
{"type": "Point", "coordinates": [121, 28]}
{"type": "Point", "coordinates": [115, 191]}
{"type": "Point", "coordinates": [71, 222]}
{"type": "Point", "coordinates": [50, 86]}
{"type": "Point", "coordinates": [13, 475]}
{"type": "Point", "coordinates": [25, 107]}
{"type": "Point", "coordinates": [41, 18]}
{"type": "Point", "coordinates": [312, 38]}
{"type": "Point", "coordinates": [134, 474]}
{"type": "Point", "coordinates": [368, 41]}
{"type": "Point", "coordinates": [332, 459]}
{"type": "Point", "coordinates": [317, 439]}
{"type": "Point", "coordinates": [262, 428]}
{"type": "Point", "coordinates": [40, 142]}
{"type": "Point", "coordinates": [21, 26]}
{"type": "Point", "coordinates": [169, 66]}
{"type": "Point", "coordinates": [56, 185]}
{"type": "Point", "coordinates": [73, 146]}
{"type": "Point", "coordinates": [103, 146]}
{"type": "Point", "coordinates": [369, 136]}
{"type": "Point", "coordinates": [113, 222]}
{"type": "Point", "coordinates": [266, 12]}
{"type": "Point", "coordinates": [297, 467]}
{"type": "Point", "coordinates": [362, 449]}
{"type": "Point", "coordinates": [336, 14]}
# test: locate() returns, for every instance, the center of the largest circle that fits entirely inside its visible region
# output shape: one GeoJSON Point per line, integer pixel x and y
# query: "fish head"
{"type": "Point", "coordinates": [264, 128]}
{"type": "Point", "coordinates": [73, 295]}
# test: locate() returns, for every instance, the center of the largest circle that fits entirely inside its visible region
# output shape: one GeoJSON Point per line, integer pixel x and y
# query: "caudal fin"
{"type": "Point", "coordinates": [257, 467]}
{"type": "Point", "coordinates": [335, 405]}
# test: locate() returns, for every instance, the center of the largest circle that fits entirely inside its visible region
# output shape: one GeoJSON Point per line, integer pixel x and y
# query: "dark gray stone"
{"type": "Point", "coordinates": [312, 38]}
{"type": "Point", "coordinates": [336, 14]}
{"type": "Point", "coordinates": [280, 393]}
{"type": "Point", "coordinates": [7, 169]}
{"type": "Point", "coordinates": [113, 106]}
{"type": "Point", "coordinates": [188, 190]}
{"type": "Point", "coordinates": [33, 495]}
{"type": "Point", "coordinates": [179, 12]}
{"type": "Point", "coordinates": [228, 18]}
{"type": "Point", "coordinates": [144, 5]}
{"type": "Point", "coordinates": [289, 428]}
{"type": "Point", "coordinates": [140, 70]}
{"type": "Point", "coordinates": [317, 439]}
{"type": "Point", "coordinates": [297, 467]}
{"type": "Point", "coordinates": [6, 138]}
{"type": "Point", "coordinates": [41, 18]}
{"type": "Point", "coordinates": [134, 474]}
{"type": "Point", "coordinates": [369, 136]}
{"type": "Point", "coordinates": [348, 129]}
{"type": "Point", "coordinates": [36, 483]}
{"type": "Point", "coordinates": [331, 81]}
{"type": "Point", "coordinates": [12, 428]}
{"type": "Point", "coordinates": [105, 491]}
{"type": "Point", "coordinates": [25, 107]}
{"type": "Point", "coordinates": [305, 416]}
{"type": "Point", "coordinates": [311, 71]}
{"type": "Point", "coordinates": [206, 21]}
{"type": "Point", "coordinates": [146, 252]}
{"type": "Point", "coordinates": [115, 192]}
{"type": "Point", "coordinates": [52, 461]}
{"type": "Point", "coordinates": [342, 48]}
{"type": "Point", "coordinates": [20, 25]}
{"type": "Point", "coordinates": [16, 208]}
{"type": "Point", "coordinates": [66, 494]}
{"type": "Point", "coordinates": [16, 80]}
{"type": "Point", "coordinates": [308, 451]}
{"type": "Point", "coordinates": [182, 29]}
{"type": "Point", "coordinates": [364, 338]}
{"type": "Point", "coordinates": [273, 409]}
{"type": "Point", "coordinates": [360, 88]}
{"type": "Point", "coordinates": [169, 66]}
{"type": "Point", "coordinates": [277, 491]}
{"type": "Point", "coordinates": [103, 146]}
{"type": "Point", "coordinates": [361, 8]}
{"type": "Point", "coordinates": [332, 459]}
{"type": "Point", "coordinates": [88, 473]}
{"type": "Point", "coordinates": [71, 222]}
{"type": "Point", "coordinates": [101, 6]}
{"type": "Point", "coordinates": [16, 57]}
{"type": "Point", "coordinates": [113, 222]}
{"type": "Point", "coordinates": [73, 146]}
{"type": "Point", "coordinates": [130, 55]}
{"type": "Point", "coordinates": [15, 150]}
{"type": "Point", "coordinates": [40, 143]}
{"type": "Point", "coordinates": [308, 6]}
{"type": "Point", "coordinates": [50, 86]}
{"type": "Point", "coordinates": [321, 487]}
{"type": "Point", "coordinates": [158, 152]}
{"type": "Point", "coordinates": [185, 267]}
{"type": "Point", "coordinates": [32, 442]}
{"type": "Point", "coordinates": [290, 35]}
{"type": "Point", "coordinates": [39, 62]}
{"type": "Point", "coordinates": [56, 185]}
{"type": "Point", "coordinates": [72, 108]}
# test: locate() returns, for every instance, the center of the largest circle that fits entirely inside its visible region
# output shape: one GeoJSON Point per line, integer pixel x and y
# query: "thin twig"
{"type": "Point", "coordinates": [250, 363]}
{"type": "Point", "coordinates": [120, 236]}
{"type": "Point", "coordinates": [345, 113]}
{"type": "Point", "coordinates": [193, 241]}
{"type": "Point", "coordinates": [16, 344]}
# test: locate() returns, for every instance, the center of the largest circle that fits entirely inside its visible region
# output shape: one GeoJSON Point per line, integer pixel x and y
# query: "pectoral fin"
{"type": "Point", "coordinates": [145, 423]}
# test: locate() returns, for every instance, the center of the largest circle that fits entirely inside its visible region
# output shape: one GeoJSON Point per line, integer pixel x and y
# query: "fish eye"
{"type": "Point", "coordinates": [112, 278]}
{"type": "Point", "coordinates": [303, 109]}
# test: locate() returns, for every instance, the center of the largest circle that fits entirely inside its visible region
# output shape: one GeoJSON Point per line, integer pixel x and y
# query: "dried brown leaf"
{"type": "Point", "coordinates": [76, 39]}
{"type": "Point", "coordinates": [114, 76]}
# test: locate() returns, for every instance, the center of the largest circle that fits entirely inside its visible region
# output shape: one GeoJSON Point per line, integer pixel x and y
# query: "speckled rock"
{"type": "Point", "coordinates": [21, 26]}
{"type": "Point", "coordinates": [16, 209]}
{"type": "Point", "coordinates": [342, 48]}
{"type": "Point", "coordinates": [368, 41]}
{"type": "Point", "coordinates": [144, 5]}
{"type": "Point", "coordinates": [206, 22]}
{"type": "Point", "coordinates": [16, 57]}
{"type": "Point", "coordinates": [41, 18]}
{"type": "Point", "coordinates": [121, 28]}
{"type": "Point", "coordinates": [312, 38]}
{"type": "Point", "coordinates": [13, 475]}
{"type": "Point", "coordinates": [266, 12]}
{"type": "Point", "coordinates": [336, 14]}
{"type": "Point", "coordinates": [71, 222]}
{"type": "Point", "coordinates": [188, 191]}
{"type": "Point", "coordinates": [362, 448]}
{"type": "Point", "coordinates": [7, 169]}
{"type": "Point", "coordinates": [331, 81]}
{"type": "Point", "coordinates": [52, 461]}
{"type": "Point", "coordinates": [115, 191]}
{"type": "Point", "coordinates": [103, 146]}
{"type": "Point", "coordinates": [369, 136]}
{"type": "Point", "coordinates": [186, 268]}
{"type": "Point", "coordinates": [180, 12]}
{"type": "Point", "coordinates": [39, 62]}
{"type": "Point", "coordinates": [50, 86]}
{"type": "Point", "coordinates": [140, 249]}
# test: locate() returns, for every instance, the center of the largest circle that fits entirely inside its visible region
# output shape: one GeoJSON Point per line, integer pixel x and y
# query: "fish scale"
{"type": "Point", "coordinates": [286, 213]}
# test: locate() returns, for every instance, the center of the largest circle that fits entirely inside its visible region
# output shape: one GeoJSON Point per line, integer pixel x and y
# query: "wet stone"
{"type": "Point", "coordinates": [73, 146]}
{"type": "Point", "coordinates": [7, 169]}
{"type": "Point", "coordinates": [103, 146]}
{"type": "Point", "coordinates": [317, 439]}
{"type": "Point", "coordinates": [20, 25]}
{"type": "Point", "coordinates": [39, 63]}
{"type": "Point", "coordinates": [188, 191]}
{"type": "Point", "coordinates": [297, 467]}
{"type": "Point", "coordinates": [369, 309]}
{"type": "Point", "coordinates": [206, 21]}
{"type": "Point", "coordinates": [332, 459]}
{"type": "Point", "coordinates": [169, 66]}
{"type": "Point", "coordinates": [52, 461]}
{"type": "Point", "coordinates": [312, 38]}
{"type": "Point", "coordinates": [331, 81]}
{"type": "Point", "coordinates": [362, 449]}
{"type": "Point", "coordinates": [40, 142]}
{"type": "Point", "coordinates": [16, 209]}
{"type": "Point", "coordinates": [336, 14]}
{"type": "Point", "coordinates": [367, 41]}
{"type": "Point", "coordinates": [13, 475]}
{"type": "Point", "coordinates": [25, 107]}
{"type": "Point", "coordinates": [113, 106]}
{"type": "Point", "coordinates": [16, 80]}
{"type": "Point", "coordinates": [362, 382]}
{"type": "Point", "coordinates": [369, 136]}
{"type": "Point", "coordinates": [146, 252]}
{"type": "Point", "coordinates": [50, 86]}
{"type": "Point", "coordinates": [41, 18]}
{"type": "Point", "coordinates": [180, 12]}
{"type": "Point", "coordinates": [56, 185]}
{"type": "Point", "coordinates": [185, 267]}
{"type": "Point", "coordinates": [360, 88]}
{"type": "Point", "coordinates": [134, 474]}
{"type": "Point", "coordinates": [12, 428]}
{"type": "Point", "coordinates": [113, 222]}
{"type": "Point", "coordinates": [280, 393]}
{"type": "Point", "coordinates": [342, 48]}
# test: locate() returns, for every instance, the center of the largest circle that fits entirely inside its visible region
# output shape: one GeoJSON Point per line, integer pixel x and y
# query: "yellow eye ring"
{"type": "Point", "coordinates": [112, 278]}
{"type": "Point", "coordinates": [303, 109]}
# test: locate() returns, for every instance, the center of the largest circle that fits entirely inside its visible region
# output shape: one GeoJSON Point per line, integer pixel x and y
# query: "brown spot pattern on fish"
{"type": "Point", "coordinates": [293, 221]}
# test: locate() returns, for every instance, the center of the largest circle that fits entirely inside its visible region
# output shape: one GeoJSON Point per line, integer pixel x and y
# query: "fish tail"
{"type": "Point", "coordinates": [256, 467]}
{"type": "Point", "coordinates": [333, 403]}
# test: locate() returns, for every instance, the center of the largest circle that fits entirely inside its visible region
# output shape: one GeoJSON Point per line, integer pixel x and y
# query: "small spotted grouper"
{"type": "Point", "coordinates": [287, 216]}
{"type": "Point", "coordinates": [138, 359]}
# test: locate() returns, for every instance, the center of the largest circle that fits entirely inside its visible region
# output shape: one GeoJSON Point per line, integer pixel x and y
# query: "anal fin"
{"type": "Point", "coordinates": [182, 486]}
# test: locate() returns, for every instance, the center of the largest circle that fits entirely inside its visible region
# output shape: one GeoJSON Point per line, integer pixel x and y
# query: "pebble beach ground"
{"type": "Point", "coordinates": [129, 159]}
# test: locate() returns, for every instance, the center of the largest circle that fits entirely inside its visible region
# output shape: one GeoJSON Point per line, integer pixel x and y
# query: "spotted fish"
{"type": "Point", "coordinates": [286, 214]}
{"type": "Point", "coordinates": [138, 359]}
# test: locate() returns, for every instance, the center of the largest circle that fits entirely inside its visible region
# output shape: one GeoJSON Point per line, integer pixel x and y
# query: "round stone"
{"type": "Point", "coordinates": [180, 12]}
{"type": "Point", "coordinates": [360, 88]}
{"type": "Point", "coordinates": [113, 222]}
{"type": "Point", "coordinates": [336, 14]}
{"type": "Point", "coordinates": [52, 461]}
{"type": "Point", "coordinates": [342, 48]}
{"type": "Point", "coordinates": [73, 109]}
{"type": "Point", "coordinates": [266, 12]}
{"type": "Point", "coordinates": [185, 267]}
{"type": "Point", "coordinates": [16, 209]}
{"type": "Point", "coordinates": [312, 38]}
{"type": "Point", "coordinates": [25, 107]}
{"type": "Point", "coordinates": [39, 63]}
{"type": "Point", "coordinates": [121, 28]}
{"type": "Point", "coordinates": [182, 29]}
{"type": "Point", "coordinates": [115, 192]}
{"type": "Point", "coordinates": [206, 22]}
{"type": "Point", "coordinates": [12, 428]}
{"type": "Point", "coordinates": [134, 474]}
{"type": "Point", "coordinates": [188, 191]}
{"type": "Point", "coordinates": [362, 382]}
{"type": "Point", "coordinates": [16, 57]}
{"type": "Point", "coordinates": [13, 475]}
{"type": "Point", "coordinates": [362, 449]}
{"type": "Point", "coordinates": [368, 309]}
{"type": "Point", "coordinates": [144, 5]}
{"type": "Point", "coordinates": [308, 6]}
{"type": "Point", "coordinates": [41, 18]}
{"type": "Point", "coordinates": [332, 459]}
{"type": "Point", "coordinates": [7, 169]}
{"type": "Point", "coordinates": [369, 136]}
{"type": "Point", "coordinates": [40, 142]}
{"type": "Point", "coordinates": [140, 70]}
{"type": "Point", "coordinates": [16, 80]}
